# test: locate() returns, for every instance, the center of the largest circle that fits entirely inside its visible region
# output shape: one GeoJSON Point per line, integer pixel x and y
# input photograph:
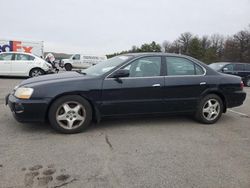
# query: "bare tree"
{"type": "Point", "coordinates": [184, 41]}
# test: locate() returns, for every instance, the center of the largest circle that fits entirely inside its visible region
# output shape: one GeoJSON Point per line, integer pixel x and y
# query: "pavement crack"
{"type": "Point", "coordinates": [108, 142]}
{"type": "Point", "coordinates": [65, 183]}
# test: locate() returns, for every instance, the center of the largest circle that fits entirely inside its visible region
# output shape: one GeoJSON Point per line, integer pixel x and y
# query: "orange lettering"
{"type": "Point", "coordinates": [16, 45]}
{"type": "Point", "coordinates": [27, 49]}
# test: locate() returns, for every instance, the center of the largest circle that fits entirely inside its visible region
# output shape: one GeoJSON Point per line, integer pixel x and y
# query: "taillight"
{"type": "Point", "coordinates": [241, 85]}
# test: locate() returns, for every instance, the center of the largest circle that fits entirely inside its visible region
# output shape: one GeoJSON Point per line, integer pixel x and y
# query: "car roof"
{"type": "Point", "coordinates": [230, 62]}
{"type": "Point", "coordinates": [154, 53]}
{"type": "Point", "coordinates": [17, 53]}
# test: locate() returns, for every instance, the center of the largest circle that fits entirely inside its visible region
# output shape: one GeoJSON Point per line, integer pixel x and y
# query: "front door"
{"type": "Point", "coordinates": [139, 93]}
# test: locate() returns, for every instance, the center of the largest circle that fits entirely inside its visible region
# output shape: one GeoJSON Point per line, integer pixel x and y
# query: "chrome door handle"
{"type": "Point", "coordinates": [203, 83]}
{"type": "Point", "coordinates": [156, 85]}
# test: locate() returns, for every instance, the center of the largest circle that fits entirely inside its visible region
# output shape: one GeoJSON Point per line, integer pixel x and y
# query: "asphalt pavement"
{"type": "Point", "coordinates": [154, 152]}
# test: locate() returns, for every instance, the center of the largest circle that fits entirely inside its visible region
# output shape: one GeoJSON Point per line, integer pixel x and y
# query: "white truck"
{"type": "Point", "coordinates": [35, 48]}
{"type": "Point", "coordinates": [82, 61]}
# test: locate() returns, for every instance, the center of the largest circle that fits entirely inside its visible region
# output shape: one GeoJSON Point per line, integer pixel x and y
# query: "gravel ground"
{"type": "Point", "coordinates": [138, 152]}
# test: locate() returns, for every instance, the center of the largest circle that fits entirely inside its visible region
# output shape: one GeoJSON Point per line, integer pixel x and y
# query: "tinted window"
{"type": "Point", "coordinates": [239, 67]}
{"type": "Point", "coordinates": [24, 57]}
{"type": "Point", "coordinates": [5, 57]}
{"type": "Point", "coordinates": [182, 66]}
{"type": "Point", "coordinates": [247, 68]}
{"type": "Point", "coordinates": [76, 57]}
{"type": "Point", "coordinates": [229, 67]}
{"type": "Point", "coordinates": [145, 67]}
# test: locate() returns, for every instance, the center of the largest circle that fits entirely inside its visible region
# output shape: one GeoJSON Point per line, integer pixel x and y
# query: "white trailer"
{"type": "Point", "coordinates": [35, 48]}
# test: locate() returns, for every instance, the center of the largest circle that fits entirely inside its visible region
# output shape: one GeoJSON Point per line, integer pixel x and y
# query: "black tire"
{"type": "Point", "coordinates": [61, 125]}
{"type": "Point", "coordinates": [36, 72]}
{"type": "Point", "coordinates": [202, 116]}
{"type": "Point", "coordinates": [68, 67]}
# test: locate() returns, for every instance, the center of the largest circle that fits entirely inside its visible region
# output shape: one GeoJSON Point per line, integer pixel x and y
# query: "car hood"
{"type": "Point", "coordinates": [53, 77]}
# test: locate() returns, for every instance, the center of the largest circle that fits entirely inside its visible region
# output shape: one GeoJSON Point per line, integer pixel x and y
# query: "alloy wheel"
{"type": "Point", "coordinates": [70, 115]}
{"type": "Point", "coordinates": [211, 109]}
{"type": "Point", "coordinates": [36, 73]}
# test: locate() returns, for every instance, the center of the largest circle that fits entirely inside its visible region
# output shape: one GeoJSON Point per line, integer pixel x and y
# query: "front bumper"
{"type": "Point", "coordinates": [235, 99]}
{"type": "Point", "coordinates": [30, 110]}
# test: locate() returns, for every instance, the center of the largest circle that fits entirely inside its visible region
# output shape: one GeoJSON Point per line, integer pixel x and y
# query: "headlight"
{"type": "Point", "coordinates": [24, 92]}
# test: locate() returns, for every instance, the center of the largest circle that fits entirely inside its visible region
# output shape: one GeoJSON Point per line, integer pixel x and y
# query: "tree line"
{"type": "Point", "coordinates": [214, 48]}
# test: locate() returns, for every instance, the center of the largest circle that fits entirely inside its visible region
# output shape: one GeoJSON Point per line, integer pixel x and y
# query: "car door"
{"type": "Point", "coordinates": [239, 70]}
{"type": "Point", "coordinates": [22, 64]}
{"type": "Point", "coordinates": [140, 92]}
{"type": "Point", "coordinates": [184, 84]}
{"type": "Point", "coordinates": [76, 61]}
{"type": "Point", "coordinates": [5, 63]}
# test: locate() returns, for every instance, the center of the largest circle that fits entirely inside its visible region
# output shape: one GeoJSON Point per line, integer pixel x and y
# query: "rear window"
{"type": "Point", "coordinates": [181, 66]}
{"type": "Point", "coordinates": [24, 57]}
{"type": "Point", "coordinates": [239, 67]}
{"type": "Point", "coordinates": [247, 67]}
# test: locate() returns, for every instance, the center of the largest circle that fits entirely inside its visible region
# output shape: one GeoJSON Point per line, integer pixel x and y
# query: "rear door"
{"type": "Point", "coordinates": [184, 84]}
{"type": "Point", "coordinates": [5, 63]}
{"type": "Point", "coordinates": [239, 70]}
{"type": "Point", "coordinates": [22, 64]}
{"type": "Point", "coordinates": [139, 93]}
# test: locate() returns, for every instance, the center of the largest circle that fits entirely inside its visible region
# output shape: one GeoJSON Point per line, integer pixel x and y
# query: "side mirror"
{"type": "Point", "coordinates": [225, 69]}
{"type": "Point", "coordinates": [73, 58]}
{"type": "Point", "coordinates": [120, 73]}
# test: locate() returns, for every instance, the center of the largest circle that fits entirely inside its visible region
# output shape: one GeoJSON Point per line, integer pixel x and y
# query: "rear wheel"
{"type": "Point", "coordinates": [68, 67]}
{"type": "Point", "coordinates": [36, 72]}
{"type": "Point", "coordinates": [209, 109]}
{"type": "Point", "coordinates": [70, 114]}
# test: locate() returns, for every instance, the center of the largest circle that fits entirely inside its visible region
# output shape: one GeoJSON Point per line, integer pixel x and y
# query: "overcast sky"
{"type": "Point", "coordinates": [107, 26]}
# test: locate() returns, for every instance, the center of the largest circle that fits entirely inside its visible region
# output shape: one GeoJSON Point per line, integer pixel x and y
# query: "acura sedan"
{"type": "Point", "coordinates": [131, 84]}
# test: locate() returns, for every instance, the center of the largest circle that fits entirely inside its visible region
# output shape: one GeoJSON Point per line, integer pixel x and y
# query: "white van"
{"type": "Point", "coordinates": [22, 64]}
{"type": "Point", "coordinates": [82, 61]}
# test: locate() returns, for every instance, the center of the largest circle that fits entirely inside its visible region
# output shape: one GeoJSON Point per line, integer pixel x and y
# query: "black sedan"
{"type": "Point", "coordinates": [131, 84]}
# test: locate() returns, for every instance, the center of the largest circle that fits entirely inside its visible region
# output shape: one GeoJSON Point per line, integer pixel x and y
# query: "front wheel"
{"type": "Point", "coordinates": [209, 109]}
{"type": "Point", "coordinates": [36, 72]}
{"type": "Point", "coordinates": [70, 114]}
{"type": "Point", "coordinates": [68, 67]}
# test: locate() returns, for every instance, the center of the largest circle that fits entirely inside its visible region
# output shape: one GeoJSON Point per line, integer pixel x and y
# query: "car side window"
{"type": "Point", "coordinates": [182, 66]}
{"type": "Point", "coordinates": [229, 67]}
{"type": "Point", "coordinates": [6, 57]}
{"type": "Point", "coordinates": [145, 67]}
{"type": "Point", "coordinates": [239, 67]}
{"type": "Point", "coordinates": [247, 68]}
{"type": "Point", "coordinates": [76, 57]}
{"type": "Point", "coordinates": [24, 57]}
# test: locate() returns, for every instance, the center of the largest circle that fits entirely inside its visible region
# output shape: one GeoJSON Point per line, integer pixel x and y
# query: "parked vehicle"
{"type": "Point", "coordinates": [22, 64]}
{"type": "Point", "coordinates": [82, 61]}
{"type": "Point", "coordinates": [22, 46]}
{"type": "Point", "coordinates": [144, 83]}
{"type": "Point", "coordinates": [238, 69]}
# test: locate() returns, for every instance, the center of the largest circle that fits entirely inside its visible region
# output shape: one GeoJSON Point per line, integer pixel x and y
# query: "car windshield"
{"type": "Point", "coordinates": [217, 66]}
{"type": "Point", "coordinates": [105, 66]}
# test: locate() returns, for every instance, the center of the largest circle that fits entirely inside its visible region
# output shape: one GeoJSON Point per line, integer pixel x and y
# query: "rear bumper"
{"type": "Point", "coordinates": [235, 99]}
{"type": "Point", "coordinates": [27, 110]}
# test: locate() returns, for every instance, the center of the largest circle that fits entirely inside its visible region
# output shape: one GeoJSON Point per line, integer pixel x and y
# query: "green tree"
{"type": "Point", "coordinates": [195, 48]}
